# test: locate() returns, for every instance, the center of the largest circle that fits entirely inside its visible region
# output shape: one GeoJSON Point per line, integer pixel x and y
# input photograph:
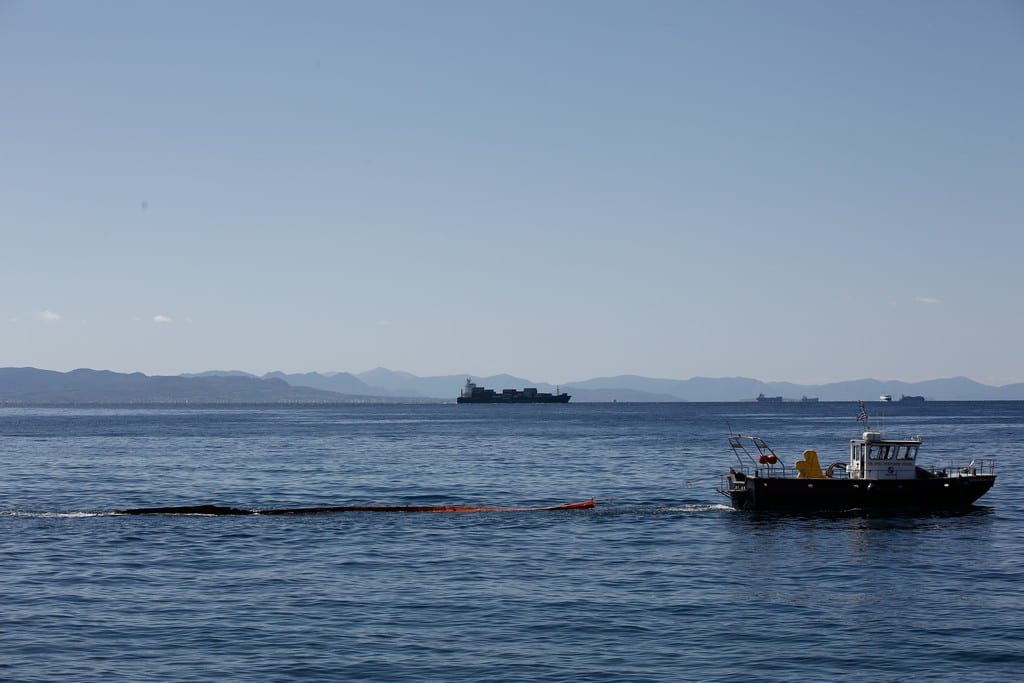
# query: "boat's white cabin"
{"type": "Point", "coordinates": [873, 457]}
{"type": "Point", "coordinates": [467, 389]}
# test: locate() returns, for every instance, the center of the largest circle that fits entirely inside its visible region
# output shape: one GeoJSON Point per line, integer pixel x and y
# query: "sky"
{"type": "Point", "coordinates": [790, 190]}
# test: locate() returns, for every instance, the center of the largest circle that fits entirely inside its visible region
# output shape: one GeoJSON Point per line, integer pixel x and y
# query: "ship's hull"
{"type": "Point", "coordinates": [500, 398]}
{"type": "Point", "coordinates": [778, 493]}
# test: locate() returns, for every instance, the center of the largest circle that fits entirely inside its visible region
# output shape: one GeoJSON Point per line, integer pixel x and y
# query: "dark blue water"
{"type": "Point", "coordinates": [661, 582]}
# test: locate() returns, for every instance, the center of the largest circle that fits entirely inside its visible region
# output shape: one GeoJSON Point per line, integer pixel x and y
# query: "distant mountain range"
{"type": "Point", "coordinates": [30, 385]}
{"type": "Point", "coordinates": [743, 388]}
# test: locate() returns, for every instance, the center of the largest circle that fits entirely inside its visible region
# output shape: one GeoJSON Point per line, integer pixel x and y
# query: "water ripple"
{"type": "Point", "coordinates": [661, 582]}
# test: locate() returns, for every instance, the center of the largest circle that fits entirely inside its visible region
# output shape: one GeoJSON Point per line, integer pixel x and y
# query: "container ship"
{"type": "Point", "coordinates": [471, 393]}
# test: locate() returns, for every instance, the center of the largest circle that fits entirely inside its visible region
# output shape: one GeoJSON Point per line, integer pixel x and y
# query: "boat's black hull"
{"type": "Point", "coordinates": [498, 398]}
{"type": "Point", "coordinates": [777, 493]}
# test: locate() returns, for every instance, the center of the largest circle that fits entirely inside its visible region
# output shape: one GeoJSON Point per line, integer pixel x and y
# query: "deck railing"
{"type": "Point", "coordinates": [974, 467]}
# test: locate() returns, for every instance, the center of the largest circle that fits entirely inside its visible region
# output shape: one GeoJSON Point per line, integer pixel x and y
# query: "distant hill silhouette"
{"type": "Point", "coordinates": [384, 382]}
{"type": "Point", "coordinates": [392, 382]}
{"type": "Point", "coordinates": [338, 382]}
{"type": "Point", "coordinates": [30, 385]}
{"type": "Point", "coordinates": [388, 383]}
{"type": "Point", "coordinates": [218, 373]}
{"type": "Point", "coordinates": [743, 388]}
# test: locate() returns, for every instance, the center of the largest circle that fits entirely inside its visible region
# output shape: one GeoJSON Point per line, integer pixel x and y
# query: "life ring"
{"type": "Point", "coordinates": [890, 469]}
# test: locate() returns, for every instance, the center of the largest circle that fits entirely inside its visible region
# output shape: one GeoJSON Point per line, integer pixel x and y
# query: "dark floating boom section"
{"type": "Point", "coordinates": [223, 510]}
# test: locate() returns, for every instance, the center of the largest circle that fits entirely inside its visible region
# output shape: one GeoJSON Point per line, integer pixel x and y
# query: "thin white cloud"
{"type": "Point", "coordinates": [161, 319]}
{"type": "Point", "coordinates": [47, 317]}
{"type": "Point", "coordinates": [930, 301]}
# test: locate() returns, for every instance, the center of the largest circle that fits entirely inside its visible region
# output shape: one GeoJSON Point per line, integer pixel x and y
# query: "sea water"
{"type": "Point", "coordinates": [661, 582]}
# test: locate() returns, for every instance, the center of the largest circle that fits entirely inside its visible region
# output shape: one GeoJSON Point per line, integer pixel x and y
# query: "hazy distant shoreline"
{"type": "Point", "coordinates": [33, 386]}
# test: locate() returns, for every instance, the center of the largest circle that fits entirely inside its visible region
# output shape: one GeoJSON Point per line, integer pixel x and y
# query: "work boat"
{"type": "Point", "coordinates": [881, 474]}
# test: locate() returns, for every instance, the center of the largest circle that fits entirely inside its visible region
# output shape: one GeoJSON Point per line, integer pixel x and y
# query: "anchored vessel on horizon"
{"type": "Point", "coordinates": [881, 474]}
{"type": "Point", "coordinates": [471, 393]}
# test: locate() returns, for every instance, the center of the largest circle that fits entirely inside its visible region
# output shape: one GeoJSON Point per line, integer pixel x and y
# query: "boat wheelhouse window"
{"type": "Point", "coordinates": [908, 453]}
{"type": "Point", "coordinates": [880, 452]}
{"type": "Point", "coordinates": [891, 452]}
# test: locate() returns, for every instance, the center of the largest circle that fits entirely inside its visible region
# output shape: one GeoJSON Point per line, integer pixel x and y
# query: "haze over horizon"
{"type": "Point", "coordinates": [793, 191]}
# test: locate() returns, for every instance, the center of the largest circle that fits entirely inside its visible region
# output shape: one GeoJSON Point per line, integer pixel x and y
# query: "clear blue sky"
{"type": "Point", "coordinates": [809, 191]}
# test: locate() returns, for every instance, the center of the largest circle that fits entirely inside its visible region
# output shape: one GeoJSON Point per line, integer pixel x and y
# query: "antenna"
{"type": "Point", "coordinates": [862, 415]}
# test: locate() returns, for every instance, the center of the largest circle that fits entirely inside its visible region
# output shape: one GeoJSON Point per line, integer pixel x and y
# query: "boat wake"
{"type": "Point", "coordinates": [54, 515]}
{"type": "Point", "coordinates": [714, 507]}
